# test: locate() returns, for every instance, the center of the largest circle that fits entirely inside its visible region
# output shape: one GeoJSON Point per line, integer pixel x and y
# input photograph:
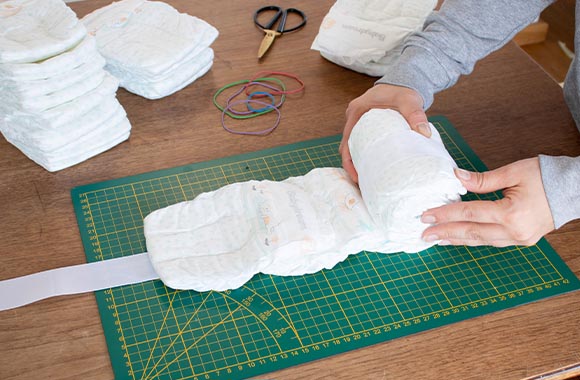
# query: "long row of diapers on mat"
{"type": "Point", "coordinates": [222, 238]}
{"type": "Point", "coordinates": [59, 82]}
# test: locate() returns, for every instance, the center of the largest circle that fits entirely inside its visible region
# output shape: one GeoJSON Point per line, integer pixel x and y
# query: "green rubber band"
{"type": "Point", "coordinates": [218, 92]}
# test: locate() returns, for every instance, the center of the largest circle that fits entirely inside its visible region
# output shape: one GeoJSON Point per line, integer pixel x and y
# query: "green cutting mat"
{"type": "Point", "coordinates": [154, 332]}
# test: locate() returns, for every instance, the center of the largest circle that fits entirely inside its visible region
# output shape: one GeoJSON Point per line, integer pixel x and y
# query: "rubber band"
{"type": "Point", "coordinates": [262, 76]}
{"type": "Point", "coordinates": [235, 94]}
{"type": "Point", "coordinates": [283, 74]}
{"type": "Point", "coordinates": [249, 115]}
{"type": "Point", "coordinates": [256, 133]}
{"type": "Point", "coordinates": [250, 108]}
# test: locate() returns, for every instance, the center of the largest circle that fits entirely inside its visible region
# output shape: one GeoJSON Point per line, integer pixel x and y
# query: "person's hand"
{"type": "Point", "coordinates": [522, 217]}
{"type": "Point", "coordinates": [405, 100]}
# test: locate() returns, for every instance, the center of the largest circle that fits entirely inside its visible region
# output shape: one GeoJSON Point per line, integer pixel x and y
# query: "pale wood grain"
{"type": "Point", "coordinates": [507, 110]}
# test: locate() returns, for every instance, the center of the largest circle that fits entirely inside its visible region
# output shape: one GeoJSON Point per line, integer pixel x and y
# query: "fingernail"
{"type": "Point", "coordinates": [429, 219]}
{"type": "Point", "coordinates": [431, 237]}
{"type": "Point", "coordinates": [463, 174]}
{"type": "Point", "coordinates": [423, 128]}
{"type": "Point", "coordinates": [444, 242]}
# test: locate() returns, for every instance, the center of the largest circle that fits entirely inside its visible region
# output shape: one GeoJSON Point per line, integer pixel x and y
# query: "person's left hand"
{"type": "Point", "coordinates": [522, 217]}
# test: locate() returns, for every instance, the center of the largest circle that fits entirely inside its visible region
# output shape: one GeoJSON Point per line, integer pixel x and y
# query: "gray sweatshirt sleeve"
{"type": "Point", "coordinates": [450, 44]}
{"type": "Point", "coordinates": [561, 179]}
{"type": "Point", "coordinates": [454, 39]}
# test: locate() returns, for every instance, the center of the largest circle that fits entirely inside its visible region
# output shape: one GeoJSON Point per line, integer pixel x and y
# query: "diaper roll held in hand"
{"type": "Point", "coordinates": [221, 239]}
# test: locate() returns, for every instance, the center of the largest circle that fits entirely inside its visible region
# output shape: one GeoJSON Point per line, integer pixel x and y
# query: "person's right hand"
{"type": "Point", "coordinates": [405, 100]}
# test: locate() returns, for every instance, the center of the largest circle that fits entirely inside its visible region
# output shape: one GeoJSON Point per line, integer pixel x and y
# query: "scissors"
{"type": "Point", "coordinates": [281, 14]}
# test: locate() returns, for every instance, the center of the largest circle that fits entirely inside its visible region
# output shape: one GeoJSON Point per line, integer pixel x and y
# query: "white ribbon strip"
{"type": "Point", "coordinates": [76, 279]}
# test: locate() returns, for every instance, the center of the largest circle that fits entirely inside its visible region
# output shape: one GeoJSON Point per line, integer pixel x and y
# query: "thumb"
{"type": "Point", "coordinates": [485, 182]}
{"type": "Point", "coordinates": [417, 119]}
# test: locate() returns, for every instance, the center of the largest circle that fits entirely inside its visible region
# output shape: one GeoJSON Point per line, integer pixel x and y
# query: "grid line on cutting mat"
{"type": "Point", "coordinates": [154, 332]}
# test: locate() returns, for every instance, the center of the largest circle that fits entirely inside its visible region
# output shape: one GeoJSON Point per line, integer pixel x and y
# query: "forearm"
{"type": "Point", "coordinates": [454, 39]}
{"type": "Point", "coordinates": [561, 179]}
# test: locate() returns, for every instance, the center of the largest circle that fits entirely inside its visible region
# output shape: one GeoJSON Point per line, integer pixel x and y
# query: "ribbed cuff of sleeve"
{"type": "Point", "coordinates": [561, 179]}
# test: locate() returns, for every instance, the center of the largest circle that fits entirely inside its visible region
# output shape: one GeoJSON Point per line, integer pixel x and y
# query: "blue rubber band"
{"type": "Point", "coordinates": [250, 108]}
{"type": "Point", "coordinates": [256, 133]}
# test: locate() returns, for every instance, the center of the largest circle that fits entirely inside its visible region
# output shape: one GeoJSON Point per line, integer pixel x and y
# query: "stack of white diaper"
{"type": "Point", "coordinates": [357, 34]}
{"type": "Point", "coordinates": [58, 103]}
{"type": "Point", "coordinates": [150, 47]}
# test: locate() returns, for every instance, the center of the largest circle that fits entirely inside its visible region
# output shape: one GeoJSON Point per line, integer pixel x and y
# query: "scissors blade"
{"type": "Point", "coordinates": [267, 42]}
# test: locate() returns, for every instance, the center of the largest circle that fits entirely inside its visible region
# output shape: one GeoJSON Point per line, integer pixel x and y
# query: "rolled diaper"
{"type": "Point", "coordinates": [221, 239]}
{"type": "Point", "coordinates": [357, 34]}
{"type": "Point", "coordinates": [401, 175]}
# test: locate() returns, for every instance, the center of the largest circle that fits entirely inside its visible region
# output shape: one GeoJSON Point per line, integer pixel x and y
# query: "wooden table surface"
{"type": "Point", "coordinates": [509, 109]}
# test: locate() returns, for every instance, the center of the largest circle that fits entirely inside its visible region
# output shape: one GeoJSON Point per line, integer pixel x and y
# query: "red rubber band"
{"type": "Point", "coordinates": [280, 73]}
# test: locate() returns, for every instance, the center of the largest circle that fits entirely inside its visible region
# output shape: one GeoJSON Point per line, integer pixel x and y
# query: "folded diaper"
{"type": "Point", "coordinates": [148, 43]}
{"type": "Point", "coordinates": [33, 30]}
{"type": "Point", "coordinates": [50, 141]}
{"type": "Point", "coordinates": [30, 89]}
{"type": "Point", "coordinates": [301, 225]}
{"type": "Point", "coordinates": [39, 103]}
{"type": "Point", "coordinates": [83, 52]}
{"type": "Point", "coordinates": [39, 95]}
{"type": "Point", "coordinates": [90, 146]}
{"type": "Point", "coordinates": [175, 80]}
{"type": "Point", "coordinates": [66, 113]}
{"type": "Point", "coordinates": [358, 34]}
{"type": "Point", "coordinates": [58, 104]}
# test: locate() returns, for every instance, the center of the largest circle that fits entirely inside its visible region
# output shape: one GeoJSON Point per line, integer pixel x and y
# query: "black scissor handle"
{"type": "Point", "coordinates": [281, 14]}
{"type": "Point", "coordinates": [299, 13]}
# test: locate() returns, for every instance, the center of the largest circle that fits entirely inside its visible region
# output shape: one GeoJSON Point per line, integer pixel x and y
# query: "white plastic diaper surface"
{"type": "Point", "coordinates": [150, 47]}
{"type": "Point", "coordinates": [83, 52]}
{"type": "Point", "coordinates": [358, 34]}
{"type": "Point", "coordinates": [173, 81]}
{"type": "Point", "coordinates": [221, 239]}
{"type": "Point", "coordinates": [146, 38]}
{"type": "Point", "coordinates": [66, 113]}
{"type": "Point", "coordinates": [58, 104]}
{"type": "Point", "coordinates": [33, 30]}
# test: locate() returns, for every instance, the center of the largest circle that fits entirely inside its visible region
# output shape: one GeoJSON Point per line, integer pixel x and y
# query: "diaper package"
{"type": "Point", "coordinates": [304, 224]}
{"type": "Point", "coordinates": [150, 47]}
{"type": "Point", "coordinates": [357, 34]}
